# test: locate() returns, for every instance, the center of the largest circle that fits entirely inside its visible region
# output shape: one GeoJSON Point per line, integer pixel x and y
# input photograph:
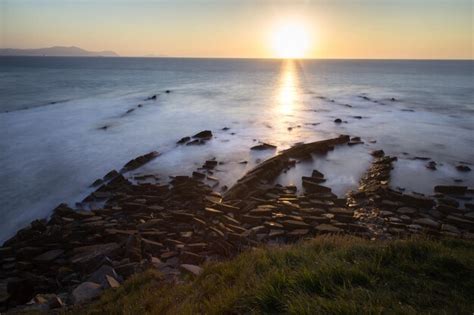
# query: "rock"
{"type": "Point", "coordinates": [293, 224]}
{"type": "Point", "coordinates": [427, 222]}
{"type": "Point", "coordinates": [20, 290]}
{"type": "Point", "coordinates": [449, 228]}
{"type": "Point", "coordinates": [312, 180]}
{"type": "Point", "coordinates": [196, 142]}
{"type": "Point", "coordinates": [431, 165]}
{"type": "Point", "coordinates": [97, 182]}
{"type": "Point", "coordinates": [100, 276]}
{"type": "Point", "coordinates": [317, 174]}
{"type": "Point", "coordinates": [378, 153]}
{"type": "Point", "coordinates": [406, 210]}
{"type": "Point", "coordinates": [49, 255]}
{"type": "Point", "coordinates": [450, 189]}
{"type": "Point", "coordinates": [337, 120]}
{"type": "Point", "coordinates": [183, 140]}
{"type": "Point", "coordinates": [51, 300]}
{"type": "Point", "coordinates": [111, 282]}
{"type": "Point", "coordinates": [212, 212]}
{"type": "Point", "coordinates": [199, 175]}
{"type": "Point", "coordinates": [264, 146]}
{"type": "Point", "coordinates": [191, 258]}
{"type": "Point", "coordinates": [462, 222]}
{"type": "Point", "coordinates": [328, 229]}
{"type": "Point", "coordinates": [417, 201]}
{"type": "Point", "coordinates": [127, 269]}
{"type": "Point", "coordinates": [315, 188]}
{"type": "Point", "coordinates": [205, 135]}
{"type": "Point", "coordinates": [210, 164]}
{"type": "Point", "coordinates": [463, 168]}
{"type": "Point", "coordinates": [133, 248]}
{"type": "Point", "coordinates": [86, 292]}
{"type": "Point", "coordinates": [87, 257]}
{"type": "Point", "coordinates": [141, 160]}
{"type": "Point", "coordinates": [193, 269]}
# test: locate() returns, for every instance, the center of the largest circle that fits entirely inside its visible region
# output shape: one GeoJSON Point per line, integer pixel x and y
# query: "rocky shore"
{"type": "Point", "coordinates": [177, 226]}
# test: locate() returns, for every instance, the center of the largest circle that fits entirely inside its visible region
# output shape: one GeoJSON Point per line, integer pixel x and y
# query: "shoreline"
{"type": "Point", "coordinates": [177, 226]}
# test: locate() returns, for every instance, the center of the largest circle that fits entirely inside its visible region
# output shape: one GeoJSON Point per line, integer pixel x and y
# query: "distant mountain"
{"type": "Point", "coordinates": [57, 51]}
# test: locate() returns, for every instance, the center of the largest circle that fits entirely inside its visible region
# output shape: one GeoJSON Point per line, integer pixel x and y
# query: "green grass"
{"type": "Point", "coordinates": [327, 275]}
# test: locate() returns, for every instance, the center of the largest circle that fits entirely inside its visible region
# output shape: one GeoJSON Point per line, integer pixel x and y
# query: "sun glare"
{"type": "Point", "coordinates": [290, 40]}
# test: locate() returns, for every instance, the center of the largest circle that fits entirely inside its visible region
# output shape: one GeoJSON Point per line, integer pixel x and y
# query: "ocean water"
{"type": "Point", "coordinates": [52, 109]}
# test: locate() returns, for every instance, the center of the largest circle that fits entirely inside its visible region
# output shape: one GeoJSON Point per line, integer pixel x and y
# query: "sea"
{"type": "Point", "coordinates": [66, 121]}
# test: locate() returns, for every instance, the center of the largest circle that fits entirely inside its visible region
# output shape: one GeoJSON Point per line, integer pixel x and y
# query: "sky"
{"type": "Point", "coordinates": [367, 29]}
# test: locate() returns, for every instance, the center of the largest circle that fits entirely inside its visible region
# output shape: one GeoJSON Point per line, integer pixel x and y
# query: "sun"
{"type": "Point", "coordinates": [290, 40]}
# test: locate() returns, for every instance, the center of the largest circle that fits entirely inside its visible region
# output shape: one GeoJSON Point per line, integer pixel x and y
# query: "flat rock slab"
{"type": "Point", "coordinates": [327, 228]}
{"type": "Point", "coordinates": [49, 255]}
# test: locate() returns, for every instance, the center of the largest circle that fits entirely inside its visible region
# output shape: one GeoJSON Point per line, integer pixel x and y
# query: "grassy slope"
{"type": "Point", "coordinates": [337, 275]}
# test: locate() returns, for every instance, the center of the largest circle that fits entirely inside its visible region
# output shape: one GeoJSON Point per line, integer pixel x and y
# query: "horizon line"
{"type": "Point", "coordinates": [247, 58]}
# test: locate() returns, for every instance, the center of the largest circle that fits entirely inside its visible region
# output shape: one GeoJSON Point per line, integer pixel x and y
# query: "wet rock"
{"type": "Point", "coordinates": [456, 190]}
{"type": "Point", "coordinates": [86, 292]}
{"type": "Point", "coordinates": [210, 164]}
{"type": "Point", "coordinates": [111, 175]}
{"type": "Point", "coordinates": [317, 174]}
{"type": "Point", "coordinates": [431, 165]}
{"type": "Point", "coordinates": [263, 146]}
{"type": "Point", "coordinates": [378, 153]}
{"type": "Point", "coordinates": [205, 135]}
{"type": "Point", "coordinates": [183, 140]}
{"type": "Point", "coordinates": [463, 168]}
{"type": "Point", "coordinates": [312, 187]}
{"type": "Point", "coordinates": [199, 175]}
{"type": "Point", "coordinates": [97, 182]}
{"type": "Point", "coordinates": [140, 161]}
{"type": "Point", "coordinates": [196, 142]}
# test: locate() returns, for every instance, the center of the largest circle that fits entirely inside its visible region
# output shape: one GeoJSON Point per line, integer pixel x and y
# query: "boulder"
{"type": "Point", "coordinates": [86, 292]}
